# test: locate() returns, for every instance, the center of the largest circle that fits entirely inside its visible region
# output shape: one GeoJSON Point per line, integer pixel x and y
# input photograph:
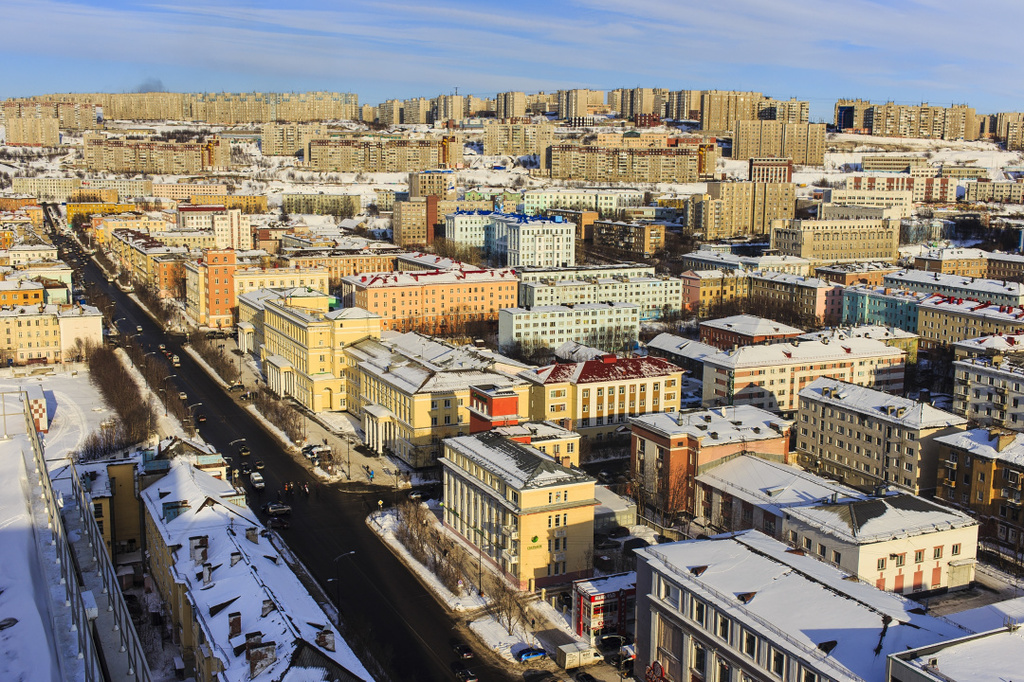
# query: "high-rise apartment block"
{"type": "Point", "coordinates": [939, 190]}
{"type": "Point", "coordinates": [289, 139]}
{"type": "Point", "coordinates": [938, 123]}
{"type": "Point", "coordinates": [384, 155]}
{"type": "Point", "coordinates": [32, 131]}
{"type": "Point", "coordinates": [448, 108]}
{"type": "Point", "coordinates": [769, 169]}
{"type": "Point", "coordinates": [720, 110]}
{"type": "Point", "coordinates": [518, 139]}
{"type": "Point", "coordinates": [614, 164]}
{"type": "Point", "coordinates": [804, 143]}
{"type": "Point", "coordinates": [416, 110]}
{"type": "Point", "coordinates": [578, 103]}
{"type": "Point", "coordinates": [837, 240]}
{"type": "Point", "coordinates": [510, 105]}
{"type": "Point", "coordinates": [123, 155]}
{"type": "Point", "coordinates": [784, 111]}
{"type": "Point", "coordinates": [732, 209]}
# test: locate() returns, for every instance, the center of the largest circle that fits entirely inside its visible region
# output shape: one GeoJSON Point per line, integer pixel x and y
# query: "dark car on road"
{"type": "Point", "coordinates": [461, 649]}
{"type": "Point", "coordinates": [276, 509]}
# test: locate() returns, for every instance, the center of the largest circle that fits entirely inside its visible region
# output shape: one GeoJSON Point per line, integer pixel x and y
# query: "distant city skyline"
{"type": "Point", "coordinates": [907, 51]}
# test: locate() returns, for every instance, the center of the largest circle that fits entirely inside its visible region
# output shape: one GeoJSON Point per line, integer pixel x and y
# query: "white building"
{"type": "Point", "coordinates": [655, 295]}
{"type": "Point", "coordinates": [991, 654]}
{"type": "Point", "coordinates": [608, 326]}
{"type": "Point", "coordinates": [771, 377]}
{"type": "Point", "coordinates": [706, 259]}
{"type": "Point", "coordinates": [989, 389]}
{"type": "Point", "coordinates": [993, 291]}
{"type": "Point", "coordinates": [517, 240]}
{"type": "Point", "coordinates": [605, 201]}
{"type": "Point", "coordinates": [900, 543]}
{"type": "Point", "coordinates": [584, 272]}
{"type": "Point", "coordinates": [746, 607]}
{"type": "Point", "coordinates": [230, 227]}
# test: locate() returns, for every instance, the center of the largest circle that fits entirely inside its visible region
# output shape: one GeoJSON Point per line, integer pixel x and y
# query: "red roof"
{"type": "Point", "coordinates": [594, 371]}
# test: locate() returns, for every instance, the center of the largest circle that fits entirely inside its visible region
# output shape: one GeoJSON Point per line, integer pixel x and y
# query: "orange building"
{"type": "Point", "coordinates": [210, 288]}
{"type": "Point", "coordinates": [20, 292]}
{"type": "Point", "coordinates": [343, 264]}
{"type": "Point", "coordinates": [432, 302]}
{"type": "Point", "coordinates": [669, 449]}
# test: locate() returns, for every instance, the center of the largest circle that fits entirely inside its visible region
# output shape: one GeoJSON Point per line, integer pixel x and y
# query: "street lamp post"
{"type": "Point", "coordinates": [337, 581]}
{"type": "Point", "coordinates": [164, 400]}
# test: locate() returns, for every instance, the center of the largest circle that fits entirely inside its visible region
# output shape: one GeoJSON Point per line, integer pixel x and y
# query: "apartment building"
{"type": "Point", "coordinates": [410, 392]}
{"type": "Point", "coordinates": [138, 253]}
{"type": "Point", "coordinates": [606, 202]}
{"type": "Point", "coordinates": [434, 182]}
{"type": "Point", "coordinates": [383, 155]}
{"type": "Point", "coordinates": [210, 288]}
{"type": "Point", "coordinates": [32, 131]}
{"type": "Point", "coordinates": [745, 330]}
{"type": "Point", "coordinates": [981, 473]}
{"type": "Point", "coordinates": [891, 336]}
{"type": "Point", "coordinates": [74, 116]}
{"type": "Point", "coordinates": [656, 296]}
{"type": "Point", "coordinates": [611, 326]}
{"type": "Point", "coordinates": [432, 302]}
{"type": "Point", "coordinates": [414, 221]}
{"type": "Point", "coordinates": [881, 305]}
{"type": "Point", "coordinates": [954, 261]}
{"type": "Point", "coordinates": [943, 321]}
{"type": "Point", "coordinates": [573, 394]}
{"type": "Point", "coordinates": [230, 228]}
{"type": "Point", "coordinates": [787, 111]}
{"type": "Point", "coordinates": [415, 111]}
{"type": "Point", "coordinates": [892, 164]}
{"type": "Point", "coordinates": [988, 386]}
{"type": "Point", "coordinates": [303, 343]}
{"type": "Point", "coordinates": [866, 437]}
{"type": "Point", "coordinates": [849, 274]}
{"type": "Point", "coordinates": [591, 163]}
{"type": "Point", "coordinates": [769, 169]}
{"type": "Point", "coordinates": [927, 190]}
{"type": "Point", "coordinates": [639, 240]}
{"type": "Point", "coordinates": [239, 612]}
{"type": "Point", "coordinates": [321, 203]}
{"type": "Point", "coordinates": [683, 105]}
{"type": "Point", "coordinates": [991, 650]}
{"type": "Point", "coordinates": [706, 290]}
{"type": "Point", "coordinates": [749, 606]}
{"type": "Point", "coordinates": [922, 121]}
{"type": "Point", "coordinates": [833, 241]}
{"type": "Point", "coordinates": [771, 377]}
{"type": "Point", "coordinates": [721, 109]}
{"type": "Point", "coordinates": [733, 209]}
{"type": "Point", "coordinates": [708, 259]}
{"type": "Point", "coordinates": [521, 240]}
{"type": "Point", "coordinates": [585, 272]}
{"type": "Point", "coordinates": [182, 191]}
{"type": "Point", "coordinates": [1003, 192]}
{"type": "Point", "coordinates": [510, 105]}
{"type": "Point", "coordinates": [343, 262]}
{"type": "Point", "coordinates": [123, 155]}
{"type": "Point", "coordinates": [902, 200]}
{"type": "Point", "coordinates": [578, 103]}
{"type": "Point", "coordinates": [530, 517]}
{"type": "Point", "coordinates": [849, 115]}
{"type": "Point", "coordinates": [43, 334]}
{"type": "Point", "coordinates": [583, 220]}
{"type": "Point", "coordinates": [289, 139]}
{"type": "Point", "coordinates": [804, 143]}
{"type": "Point", "coordinates": [807, 298]}
{"type": "Point", "coordinates": [518, 139]}
{"type": "Point", "coordinates": [992, 291]}
{"type": "Point", "coordinates": [669, 449]}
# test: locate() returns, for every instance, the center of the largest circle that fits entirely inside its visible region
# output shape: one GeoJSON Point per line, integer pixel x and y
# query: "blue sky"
{"type": "Point", "coordinates": [938, 51]}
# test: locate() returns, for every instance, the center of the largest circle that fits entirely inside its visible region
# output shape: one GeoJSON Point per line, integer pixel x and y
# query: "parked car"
{"type": "Point", "coordinates": [606, 544]}
{"type": "Point", "coordinates": [583, 676]}
{"type": "Point", "coordinates": [239, 386]}
{"type": "Point", "coordinates": [530, 654]}
{"type": "Point", "coordinates": [258, 464]}
{"type": "Point", "coordinates": [618, 532]}
{"type": "Point", "coordinates": [461, 649]}
{"type": "Point", "coordinates": [243, 450]}
{"type": "Point", "coordinates": [631, 545]}
{"type": "Point", "coordinates": [200, 417]}
{"type": "Point", "coordinates": [462, 673]}
{"type": "Point", "coordinates": [276, 509]}
{"type": "Point", "coordinates": [256, 478]}
{"type": "Point", "coordinates": [182, 396]}
{"type": "Point", "coordinates": [612, 642]}
{"type": "Point", "coordinates": [278, 522]}
{"type": "Point", "coordinates": [246, 467]}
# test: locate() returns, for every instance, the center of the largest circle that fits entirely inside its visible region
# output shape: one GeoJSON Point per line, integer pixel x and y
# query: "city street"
{"type": "Point", "coordinates": [380, 600]}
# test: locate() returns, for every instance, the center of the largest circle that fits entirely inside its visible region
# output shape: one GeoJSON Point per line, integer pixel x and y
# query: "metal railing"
{"type": "Point", "coordinates": [81, 625]}
{"type": "Point", "coordinates": [88, 647]}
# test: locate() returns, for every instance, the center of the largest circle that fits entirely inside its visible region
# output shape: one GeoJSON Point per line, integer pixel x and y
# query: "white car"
{"type": "Point", "coordinates": [256, 478]}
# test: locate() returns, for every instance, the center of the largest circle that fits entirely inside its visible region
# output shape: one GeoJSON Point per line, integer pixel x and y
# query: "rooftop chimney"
{"type": "Point", "coordinates": [235, 557]}
{"type": "Point", "coordinates": [234, 624]}
{"type": "Point", "coordinates": [198, 547]}
{"type": "Point", "coordinates": [325, 639]}
{"type": "Point", "coordinates": [251, 535]}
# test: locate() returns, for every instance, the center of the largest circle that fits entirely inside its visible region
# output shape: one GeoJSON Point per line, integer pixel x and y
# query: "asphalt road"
{"type": "Point", "coordinates": [409, 630]}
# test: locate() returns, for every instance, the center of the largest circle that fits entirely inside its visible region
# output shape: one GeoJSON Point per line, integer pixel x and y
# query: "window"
{"type": "Point", "coordinates": [937, 553]}
{"type": "Point", "coordinates": [723, 627]}
{"type": "Point", "coordinates": [750, 644]}
{"type": "Point", "coordinates": [900, 560]}
{"type": "Point", "coordinates": [837, 558]}
{"type": "Point", "coordinates": [881, 564]}
{"type": "Point", "coordinates": [670, 593]}
{"type": "Point", "coordinates": [918, 556]}
{"type": "Point", "coordinates": [698, 610]}
{"type": "Point", "coordinates": [778, 662]}
{"type": "Point", "coordinates": [955, 550]}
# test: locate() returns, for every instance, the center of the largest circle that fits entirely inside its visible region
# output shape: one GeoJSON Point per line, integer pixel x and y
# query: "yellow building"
{"type": "Point", "coordinates": [704, 290]}
{"type": "Point", "coordinates": [733, 209]}
{"type": "Point", "coordinates": [96, 208]}
{"type": "Point", "coordinates": [154, 156]}
{"type": "Point", "coordinates": [380, 155]}
{"type": "Point", "coordinates": [33, 131]}
{"type": "Point", "coordinates": [804, 143]}
{"type": "Point", "coordinates": [531, 518]}
{"type": "Point", "coordinates": [640, 240]}
{"type": "Point", "coordinates": [246, 203]}
{"type": "Point", "coordinates": [597, 397]}
{"type": "Point", "coordinates": [302, 343]}
{"type": "Point", "coordinates": [186, 191]}
{"type": "Point", "coordinates": [944, 321]}
{"type": "Point", "coordinates": [836, 241]}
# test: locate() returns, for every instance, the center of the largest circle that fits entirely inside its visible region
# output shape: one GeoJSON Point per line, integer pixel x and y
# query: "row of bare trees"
{"type": "Point", "coordinates": [448, 560]}
{"type": "Point", "coordinates": [134, 420]}
{"type": "Point", "coordinates": [280, 414]}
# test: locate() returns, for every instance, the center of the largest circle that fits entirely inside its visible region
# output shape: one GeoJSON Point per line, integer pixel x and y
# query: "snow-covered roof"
{"type": "Point", "coordinates": [995, 444]}
{"type": "Point", "coordinates": [429, 278]}
{"type": "Point", "coordinates": [609, 368]}
{"type": "Point", "coordinates": [801, 352]}
{"type": "Point", "coordinates": [922, 279]}
{"type": "Point", "coordinates": [865, 331]}
{"type": "Point", "coordinates": [991, 616]}
{"type": "Point", "coordinates": [536, 431]}
{"type": "Point", "coordinates": [578, 308]}
{"type": "Point", "coordinates": [879, 405]}
{"type": "Point", "coordinates": [995, 655]}
{"type": "Point", "coordinates": [577, 352]}
{"type": "Point", "coordinates": [804, 605]}
{"type": "Point", "coordinates": [751, 325]}
{"type": "Point", "coordinates": [796, 280]}
{"type": "Point", "coordinates": [954, 253]}
{"type": "Point", "coordinates": [974, 308]}
{"type": "Point", "coordinates": [520, 466]}
{"type": "Point", "coordinates": [718, 426]}
{"type": "Point", "coordinates": [879, 519]}
{"type": "Point", "coordinates": [609, 584]}
{"type": "Point", "coordinates": [994, 342]}
{"type": "Point", "coordinates": [683, 347]}
{"type": "Point", "coordinates": [773, 485]}
{"type": "Point", "coordinates": [228, 568]}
